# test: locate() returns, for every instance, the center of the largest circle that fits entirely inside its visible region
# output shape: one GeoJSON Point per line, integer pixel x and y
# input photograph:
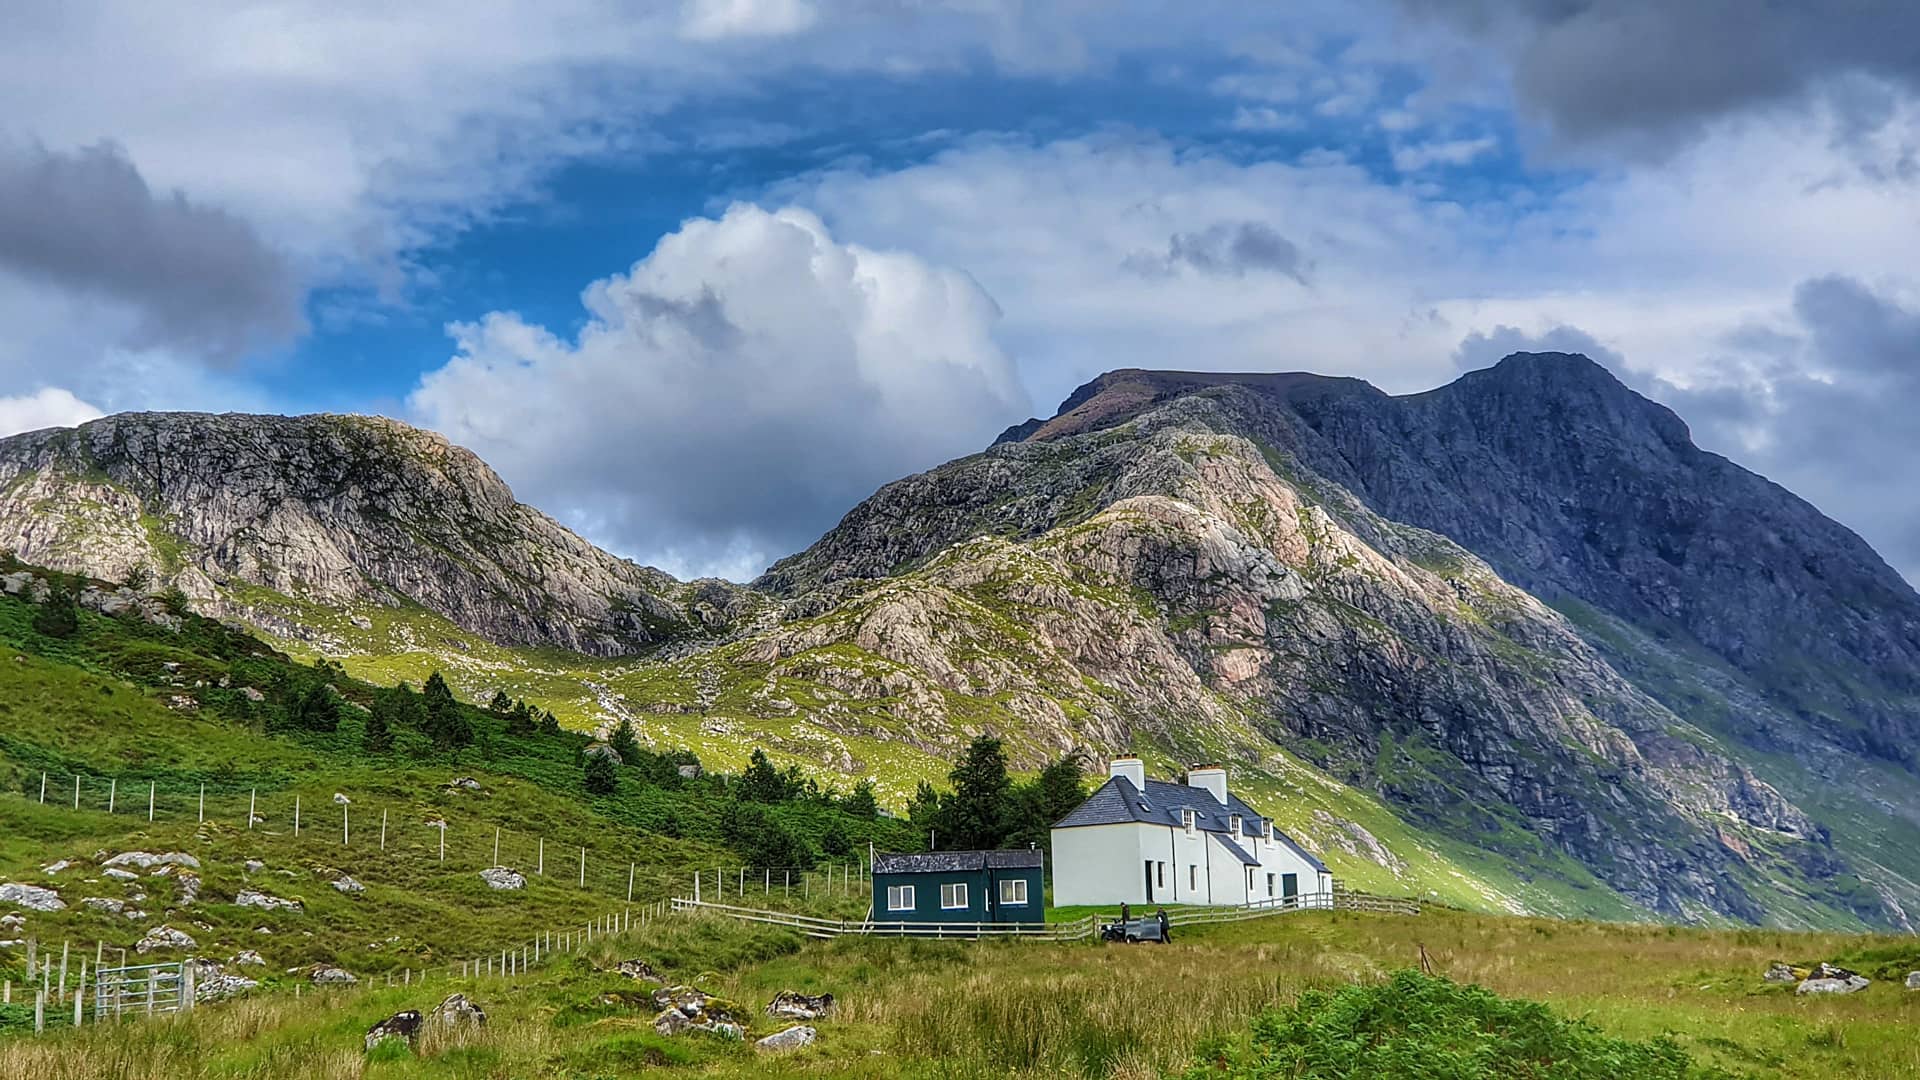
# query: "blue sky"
{"type": "Point", "coordinates": [696, 276]}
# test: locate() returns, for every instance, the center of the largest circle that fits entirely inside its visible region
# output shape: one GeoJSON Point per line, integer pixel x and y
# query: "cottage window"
{"type": "Point", "coordinates": [953, 897]}
{"type": "Point", "coordinates": [1160, 871]}
{"type": "Point", "coordinates": [1269, 884]}
{"type": "Point", "coordinates": [899, 898]}
{"type": "Point", "coordinates": [1266, 831]}
{"type": "Point", "coordinates": [1193, 876]}
{"type": "Point", "coordinates": [1237, 830]}
{"type": "Point", "coordinates": [1186, 818]}
{"type": "Point", "coordinates": [1013, 892]}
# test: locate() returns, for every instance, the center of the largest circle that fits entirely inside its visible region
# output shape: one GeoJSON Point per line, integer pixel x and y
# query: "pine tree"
{"type": "Point", "coordinates": [501, 704]}
{"type": "Point", "coordinates": [446, 723]}
{"type": "Point", "coordinates": [601, 777]}
{"type": "Point", "coordinates": [549, 724]}
{"type": "Point", "coordinates": [975, 815]}
{"type": "Point", "coordinates": [316, 709]}
{"type": "Point", "coordinates": [625, 742]}
{"type": "Point", "coordinates": [59, 616]}
{"type": "Point", "coordinates": [862, 803]}
{"type": "Point", "coordinates": [520, 721]}
{"type": "Point", "coordinates": [378, 737]}
{"type": "Point", "coordinates": [761, 782]}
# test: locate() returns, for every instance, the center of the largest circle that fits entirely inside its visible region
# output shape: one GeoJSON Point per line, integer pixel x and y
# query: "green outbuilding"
{"type": "Point", "coordinates": [959, 887]}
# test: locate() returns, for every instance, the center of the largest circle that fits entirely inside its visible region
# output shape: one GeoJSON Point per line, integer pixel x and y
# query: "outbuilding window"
{"type": "Point", "coordinates": [1013, 892]}
{"type": "Point", "coordinates": [899, 898]}
{"type": "Point", "coordinates": [953, 897]}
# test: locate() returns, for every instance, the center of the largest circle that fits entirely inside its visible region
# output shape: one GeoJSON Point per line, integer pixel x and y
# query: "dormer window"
{"type": "Point", "coordinates": [1266, 831]}
{"type": "Point", "coordinates": [1237, 830]}
{"type": "Point", "coordinates": [1187, 819]}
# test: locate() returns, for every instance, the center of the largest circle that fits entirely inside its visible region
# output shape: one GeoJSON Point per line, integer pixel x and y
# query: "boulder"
{"type": "Point", "coordinates": [147, 860]}
{"type": "Point", "coordinates": [53, 868]}
{"type": "Point", "coordinates": [791, 1039]}
{"type": "Point", "coordinates": [1784, 973]}
{"type": "Point", "coordinates": [118, 874]}
{"type": "Point", "coordinates": [210, 983]}
{"type": "Point", "coordinates": [696, 1010]}
{"type": "Point", "coordinates": [252, 694]}
{"type": "Point", "coordinates": [189, 888]}
{"type": "Point", "coordinates": [500, 877]}
{"type": "Point", "coordinates": [328, 975]}
{"type": "Point", "coordinates": [792, 1005]}
{"type": "Point", "coordinates": [164, 937]}
{"type": "Point", "coordinates": [1831, 979]}
{"type": "Point", "coordinates": [456, 1015]}
{"type": "Point", "coordinates": [249, 958]}
{"type": "Point", "coordinates": [639, 971]}
{"type": "Point", "coordinates": [671, 1022]}
{"type": "Point", "coordinates": [31, 897]}
{"type": "Point", "coordinates": [254, 898]}
{"type": "Point", "coordinates": [725, 1029]}
{"type": "Point", "coordinates": [404, 1026]}
{"type": "Point", "coordinates": [600, 749]}
{"type": "Point", "coordinates": [12, 922]}
{"type": "Point", "coordinates": [106, 904]}
{"type": "Point", "coordinates": [340, 800]}
{"type": "Point", "coordinates": [689, 772]}
{"type": "Point", "coordinates": [347, 885]}
{"type": "Point", "coordinates": [464, 783]}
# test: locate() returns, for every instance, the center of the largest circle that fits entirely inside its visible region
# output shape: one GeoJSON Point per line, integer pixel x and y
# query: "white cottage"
{"type": "Point", "coordinates": [1141, 841]}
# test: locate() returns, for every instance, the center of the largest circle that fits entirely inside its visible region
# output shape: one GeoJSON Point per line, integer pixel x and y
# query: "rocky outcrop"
{"type": "Point", "coordinates": [329, 975]}
{"type": "Point", "coordinates": [793, 1038]}
{"type": "Point", "coordinates": [346, 511]}
{"type": "Point", "coordinates": [164, 938]}
{"type": "Point", "coordinates": [31, 897]}
{"type": "Point", "coordinates": [254, 898]}
{"type": "Point", "coordinates": [793, 1005]}
{"type": "Point", "coordinates": [504, 879]}
{"type": "Point", "coordinates": [401, 1027]}
{"type": "Point", "coordinates": [1829, 979]}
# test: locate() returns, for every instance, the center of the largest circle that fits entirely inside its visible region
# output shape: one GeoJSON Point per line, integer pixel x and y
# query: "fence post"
{"type": "Point", "coordinates": [443, 841]}
{"type": "Point", "coordinates": [43, 789]}
{"type": "Point", "coordinates": [383, 829]}
{"type": "Point", "coordinates": [252, 797]}
{"type": "Point", "coordinates": [540, 867]}
{"type": "Point", "coordinates": [80, 995]}
{"type": "Point", "coordinates": [203, 801]}
{"type": "Point", "coordinates": [583, 866]}
{"type": "Point", "coordinates": [696, 886]}
{"type": "Point", "coordinates": [150, 786]}
{"type": "Point", "coordinates": [64, 949]}
{"type": "Point", "coordinates": [629, 883]}
{"type": "Point", "coordinates": [496, 845]}
{"type": "Point", "coordinates": [188, 971]}
{"type": "Point", "coordinates": [344, 808]}
{"type": "Point", "coordinates": [39, 1012]}
{"type": "Point", "coordinates": [296, 815]}
{"type": "Point", "coordinates": [113, 791]}
{"type": "Point", "coordinates": [76, 791]}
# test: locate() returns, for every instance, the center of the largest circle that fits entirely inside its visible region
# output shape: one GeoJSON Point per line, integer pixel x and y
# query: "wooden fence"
{"type": "Point", "coordinates": [1076, 930]}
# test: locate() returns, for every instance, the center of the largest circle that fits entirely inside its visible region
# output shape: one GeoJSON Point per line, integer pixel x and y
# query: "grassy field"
{"type": "Point", "coordinates": [954, 1009]}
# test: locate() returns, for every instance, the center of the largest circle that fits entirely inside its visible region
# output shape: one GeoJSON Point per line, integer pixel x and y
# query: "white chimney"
{"type": "Point", "coordinates": [1132, 768]}
{"type": "Point", "coordinates": [1211, 777]}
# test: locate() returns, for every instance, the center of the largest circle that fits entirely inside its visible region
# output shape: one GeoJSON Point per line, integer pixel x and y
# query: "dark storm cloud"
{"type": "Point", "coordinates": [1649, 72]}
{"type": "Point", "coordinates": [1826, 409]}
{"type": "Point", "coordinates": [1226, 249]}
{"type": "Point", "coordinates": [198, 279]}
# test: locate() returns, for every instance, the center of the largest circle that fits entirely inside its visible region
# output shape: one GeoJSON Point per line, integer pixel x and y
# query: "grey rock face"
{"type": "Point", "coordinates": [254, 898]}
{"type": "Point", "coordinates": [335, 510]}
{"type": "Point", "coordinates": [31, 897]}
{"type": "Point", "coordinates": [791, 1039]}
{"type": "Point", "coordinates": [164, 937]}
{"type": "Point", "coordinates": [504, 879]}
{"type": "Point", "coordinates": [328, 975]}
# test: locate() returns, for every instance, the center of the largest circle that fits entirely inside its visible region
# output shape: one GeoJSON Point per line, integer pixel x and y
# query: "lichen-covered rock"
{"type": "Point", "coordinates": [791, 1039]}
{"type": "Point", "coordinates": [346, 884]}
{"type": "Point", "coordinates": [329, 975]}
{"type": "Point", "coordinates": [1779, 972]}
{"type": "Point", "coordinates": [212, 983]}
{"type": "Point", "coordinates": [147, 860]}
{"type": "Point", "coordinates": [793, 1005]}
{"type": "Point", "coordinates": [31, 897]}
{"type": "Point", "coordinates": [164, 938]}
{"type": "Point", "coordinates": [105, 903]}
{"type": "Point", "coordinates": [502, 878]}
{"type": "Point", "coordinates": [55, 867]}
{"type": "Point", "coordinates": [639, 971]}
{"type": "Point", "coordinates": [401, 1026]}
{"type": "Point", "coordinates": [249, 958]}
{"type": "Point", "coordinates": [254, 898]}
{"type": "Point", "coordinates": [1913, 980]}
{"type": "Point", "coordinates": [456, 1015]}
{"type": "Point", "coordinates": [687, 1008]}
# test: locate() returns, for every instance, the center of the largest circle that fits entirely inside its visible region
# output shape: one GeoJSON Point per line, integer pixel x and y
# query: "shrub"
{"type": "Point", "coordinates": [1420, 1026]}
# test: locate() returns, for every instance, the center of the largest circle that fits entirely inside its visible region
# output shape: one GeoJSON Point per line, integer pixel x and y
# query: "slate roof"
{"type": "Point", "coordinates": [1235, 850]}
{"type": "Point", "coordinates": [937, 862]}
{"type": "Point", "coordinates": [1118, 802]}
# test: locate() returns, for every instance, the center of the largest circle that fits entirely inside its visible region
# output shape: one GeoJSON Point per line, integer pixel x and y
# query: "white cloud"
{"type": "Point", "coordinates": [1453, 152]}
{"type": "Point", "coordinates": [734, 393]}
{"type": "Point", "coordinates": [50, 407]}
{"type": "Point", "coordinates": [712, 20]}
{"type": "Point", "coordinates": [1264, 118]}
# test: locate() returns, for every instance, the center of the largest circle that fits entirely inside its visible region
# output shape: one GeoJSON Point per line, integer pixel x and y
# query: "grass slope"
{"type": "Point", "coordinates": [1001, 1009]}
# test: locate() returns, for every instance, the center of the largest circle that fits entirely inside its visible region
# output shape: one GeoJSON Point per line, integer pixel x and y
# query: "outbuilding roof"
{"type": "Point", "coordinates": [1118, 802]}
{"type": "Point", "coordinates": [938, 862]}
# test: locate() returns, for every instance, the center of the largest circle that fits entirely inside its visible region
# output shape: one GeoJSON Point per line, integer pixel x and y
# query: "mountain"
{"type": "Point", "coordinates": [1514, 642]}
{"type": "Point", "coordinates": [259, 516]}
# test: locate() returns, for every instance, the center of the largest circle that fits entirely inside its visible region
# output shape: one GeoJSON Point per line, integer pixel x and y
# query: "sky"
{"type": "Point", "coordinates": [697, 276]}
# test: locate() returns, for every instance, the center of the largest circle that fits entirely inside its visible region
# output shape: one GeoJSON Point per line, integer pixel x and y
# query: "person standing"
{"type": "Point", "coordinates": [1166, 928]}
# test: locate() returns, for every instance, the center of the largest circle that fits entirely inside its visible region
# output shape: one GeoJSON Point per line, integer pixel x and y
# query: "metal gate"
{"type": "Point", "coordinates": [143, 990]}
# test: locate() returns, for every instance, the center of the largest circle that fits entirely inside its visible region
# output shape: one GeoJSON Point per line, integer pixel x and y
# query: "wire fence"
{"type": "Point", "coordinates": [342, 824]}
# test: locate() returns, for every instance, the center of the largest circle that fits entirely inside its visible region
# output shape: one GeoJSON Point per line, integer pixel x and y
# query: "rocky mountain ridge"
{"type": "Point", "coordinates": [1470, 607]}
